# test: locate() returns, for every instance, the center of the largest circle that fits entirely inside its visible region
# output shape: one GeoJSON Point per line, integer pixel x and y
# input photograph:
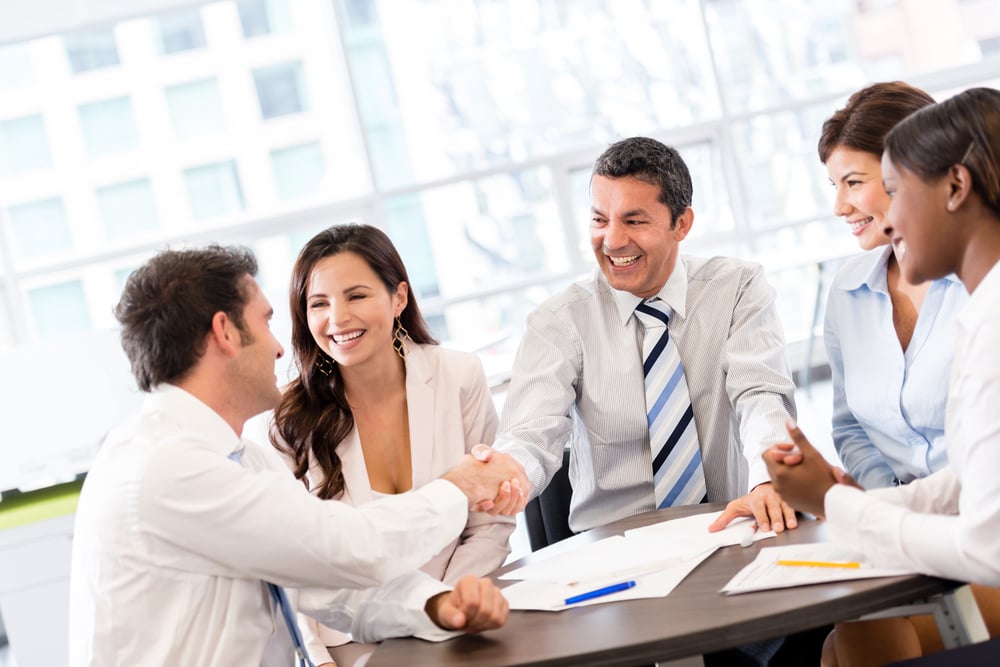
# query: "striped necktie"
{"type": "Point", "coordinates": [282, 602]}
{"type": "Point", "coordinates": [678, 477]}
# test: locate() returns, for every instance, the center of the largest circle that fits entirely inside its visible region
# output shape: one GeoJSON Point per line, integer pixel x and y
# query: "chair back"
{"type": "Point", "coordinates": [547, 516]}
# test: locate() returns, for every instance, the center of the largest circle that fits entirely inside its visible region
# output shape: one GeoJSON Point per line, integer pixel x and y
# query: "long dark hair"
{"type": "Point", "coordinates": [313, 412]}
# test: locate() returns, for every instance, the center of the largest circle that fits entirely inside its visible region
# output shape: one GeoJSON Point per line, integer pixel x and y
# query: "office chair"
{"type": "Point", "coordinates": [547, 516]}
{"type": "Point", "coordinates": [983, 654]}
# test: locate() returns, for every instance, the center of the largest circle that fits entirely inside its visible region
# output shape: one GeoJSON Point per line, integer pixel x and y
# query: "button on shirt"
{"type": "Point", "coordinates": [945, 524]}
{"type": "Point", "coordinates": [173, 541]}
{"type": "Point", "coordinates": [577, 381]}
{"type": "Point", "coordinates": [888, 406]}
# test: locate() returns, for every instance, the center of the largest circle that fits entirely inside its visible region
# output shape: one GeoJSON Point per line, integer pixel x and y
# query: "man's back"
{"type": "Point", "coordinates": [138, 596]}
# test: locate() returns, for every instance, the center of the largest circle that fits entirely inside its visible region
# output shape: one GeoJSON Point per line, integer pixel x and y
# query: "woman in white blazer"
{"type": "Point", "coordinates": [378, 407]}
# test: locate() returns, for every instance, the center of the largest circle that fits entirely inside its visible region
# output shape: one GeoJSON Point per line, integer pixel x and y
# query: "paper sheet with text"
{"type": "Point", "coordinates": [765, 573]}
{"type": "Point", "coordinates": [656, 558]}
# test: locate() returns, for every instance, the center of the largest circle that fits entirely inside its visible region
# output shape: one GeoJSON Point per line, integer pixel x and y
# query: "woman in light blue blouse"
{"type": "Point", "coordinates": [889, 342]}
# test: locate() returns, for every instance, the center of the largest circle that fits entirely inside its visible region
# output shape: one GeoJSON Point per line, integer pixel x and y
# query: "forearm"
{"type": "Point", "coordinates": [395, 609]}
{"type": "Point", "coordinates": [484, 546]}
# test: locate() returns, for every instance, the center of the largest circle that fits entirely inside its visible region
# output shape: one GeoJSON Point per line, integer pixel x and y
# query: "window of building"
{"type": "Point", "coordinates": [213, 190]}
{"type": "Point", "coordinates": [24, 145]}
{"type": "Point", "coordinates": [444, 91]}
{"type": "Point", "coordinates": [196, 108]}
{"type": "Point", "coordinates": [127, 209]}
{"type": "Point", "coordinates": [263, 17]}
{"type": "Point", "coordinates": [108, 126]}
{"type": "Point", "coordinates": [298, 170]}
{"type": "Point", "coordinates": [39, 228]}
{"type": "Point", "coordinates": [180, 30]}
{"type": "Point", "coordinates": [15, 67]}
{"type": "Point", "coordinates": [280, 89]}
{"type": "Point", "coordinates": [59, 310]}
{"type": "Point", "coordinates": [91, 49]}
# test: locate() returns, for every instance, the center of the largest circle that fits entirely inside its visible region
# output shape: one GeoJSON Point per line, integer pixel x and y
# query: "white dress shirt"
{"type": "Point", "coordinates": [947, 524]}
{"type": "Point", "coordinates": [173, 541]}
{"type": "Point", "coordinates": [577, 381]}
{"type": "Point", "coordinates": [892, 430]}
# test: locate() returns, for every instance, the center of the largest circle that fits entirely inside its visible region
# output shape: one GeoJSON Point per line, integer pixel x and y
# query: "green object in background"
{"type": "Point", "coordinates": [23, 508]}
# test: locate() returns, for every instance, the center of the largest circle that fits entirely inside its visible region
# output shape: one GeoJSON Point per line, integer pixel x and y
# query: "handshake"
{"type": "Point", "coordinates": [492, 481]}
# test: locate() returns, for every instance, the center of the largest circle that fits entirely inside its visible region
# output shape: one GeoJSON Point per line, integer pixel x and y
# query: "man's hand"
{"type": "Point", "coordinates": [493, 482]}
{"type": "Point", "coordinates": [474, 605]}
{"type": "Point", "coordinates": [800, 473]}
{"type": "Point", "coordinates": [764, 505]}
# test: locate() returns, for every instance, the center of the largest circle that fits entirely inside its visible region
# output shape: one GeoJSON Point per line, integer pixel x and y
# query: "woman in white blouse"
{"type": "Point", "coordinates": [378, 407]}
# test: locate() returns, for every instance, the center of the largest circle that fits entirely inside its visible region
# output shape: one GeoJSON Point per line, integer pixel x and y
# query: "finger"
{"type": "Point", "coordinates": [482, 452]}
{"type": "Point", "coordinates": [479, 611]}
{"type": "Point", "coordinates": [733, 509]}
{"type": "Point", "coordinates": [792, 459]}
{"type": "Point", "coordinates": [493, 609]}
{"type": "Point", "coordinates": [772, 501]}
{"type": "Point", "coordinates": [791, 521]}
{"type": "Point", "coordinates": [798, 437]}
{"type": "Point", "coordinates": [450, 616]}
{"type": "Point", "coordinates": [483, 506]}
{"type": "Point", "coordinates": [759, 510]}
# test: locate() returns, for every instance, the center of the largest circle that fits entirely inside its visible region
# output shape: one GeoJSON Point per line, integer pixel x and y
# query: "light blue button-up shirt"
{"type": "Point", "coordinates": [888, 406]}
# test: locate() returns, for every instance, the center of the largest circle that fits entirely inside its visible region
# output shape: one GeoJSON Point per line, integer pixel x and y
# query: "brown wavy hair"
{"type": "Point", "coordinates": [313, 412]}
{"type": "Point", "coordinates": [868, 116]}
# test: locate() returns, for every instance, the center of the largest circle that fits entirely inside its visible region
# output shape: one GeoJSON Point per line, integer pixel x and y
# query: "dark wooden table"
{"type": "Point", "coordinates": [694, 619]}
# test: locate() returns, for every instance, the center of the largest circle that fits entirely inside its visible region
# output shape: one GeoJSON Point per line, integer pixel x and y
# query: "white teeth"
{"type": "Point", "coordinates": [346, 338]}
{"type": "Point", "coordinates": [623, 261]}
{"type": "Point", "coordinates": [900, 250]}
{"type": "Point", "coordinates": [855, 226]}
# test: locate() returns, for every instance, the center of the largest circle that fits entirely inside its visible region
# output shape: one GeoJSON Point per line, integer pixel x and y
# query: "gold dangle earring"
{"type": "Point", "coordinates": [400, 334]}
{"type": "Point", "coordinates": [324, 363]}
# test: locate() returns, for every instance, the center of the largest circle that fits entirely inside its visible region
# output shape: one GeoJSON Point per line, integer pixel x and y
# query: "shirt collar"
{"type": "Point", "coordinates": [191, 414]}
{"type": "Point", "coordinates": [673, 293]}
{"type": "Point", "coordinates": [870, 271]}
{"type": "Point", "coordinates": [981, 301]}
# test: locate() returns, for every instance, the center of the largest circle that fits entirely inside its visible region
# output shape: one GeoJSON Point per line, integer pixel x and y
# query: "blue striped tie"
{"type": "Point", "coordinates": [282, 602]}
{"type": "Point", "coordinates": [678, 477]}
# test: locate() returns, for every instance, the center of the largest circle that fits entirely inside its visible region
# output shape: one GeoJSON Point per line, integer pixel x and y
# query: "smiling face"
{"type": "Point", "coordinates": [350, 311]}
{"type": "Point", "coordinates": [631, 234]}
{"type": "Point", "coordinates": [926, 246]}
{"type": "Point", "coordinates": [861, 199]}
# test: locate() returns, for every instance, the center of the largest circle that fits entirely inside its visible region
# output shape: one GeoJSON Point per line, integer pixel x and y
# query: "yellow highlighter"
{"type": "Point", "coordinates": [818, 563]}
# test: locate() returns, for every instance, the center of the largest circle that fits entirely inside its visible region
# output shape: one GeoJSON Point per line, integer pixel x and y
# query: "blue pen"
{"type": "Point", "coordinates": [607, 590]}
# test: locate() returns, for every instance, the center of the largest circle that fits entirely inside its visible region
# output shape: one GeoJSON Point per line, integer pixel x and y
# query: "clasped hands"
{"type": "Point", "coordinates": [800, 473]}
{"type": "Point", "coordinates": [493, 482]}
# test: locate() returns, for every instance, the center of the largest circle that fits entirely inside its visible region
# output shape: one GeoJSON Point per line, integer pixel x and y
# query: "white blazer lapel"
{"type": "Point", "coordinates": [420, 409]}
{"type": "Point", "coordinates": [358, 488]}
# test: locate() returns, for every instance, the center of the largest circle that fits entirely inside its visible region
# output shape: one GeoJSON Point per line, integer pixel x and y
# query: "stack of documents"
{"type": "Point", "coordinates": [803, 564]}
{"type": "Point", "coordinates": [644, 563]}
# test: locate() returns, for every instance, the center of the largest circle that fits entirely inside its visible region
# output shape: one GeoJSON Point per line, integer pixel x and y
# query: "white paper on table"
{"type": "Point", "coordinates": [765, 574]}
{"type": "Point", "coordinates": [694, 530]}
{"type": "Point", "coordinates": [613, 557]}
{"type": "Point", "coordinates": [543, 595]}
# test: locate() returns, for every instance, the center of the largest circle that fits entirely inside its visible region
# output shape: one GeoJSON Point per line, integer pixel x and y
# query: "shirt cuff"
{"type": "Point", "coordinates": [446, 496]}
{"type": "Point", "coordinates": [844, 507]}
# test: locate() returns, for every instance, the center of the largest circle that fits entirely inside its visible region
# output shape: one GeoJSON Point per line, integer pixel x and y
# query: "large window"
{"type": "Point", "coordinates": [464, 128]}
{"type": "Point", "coordinates": [24, 145]}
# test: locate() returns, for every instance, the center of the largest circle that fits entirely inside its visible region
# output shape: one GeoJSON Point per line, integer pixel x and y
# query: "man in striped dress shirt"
{"type": "Point", "coordinates": [578, 378]}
